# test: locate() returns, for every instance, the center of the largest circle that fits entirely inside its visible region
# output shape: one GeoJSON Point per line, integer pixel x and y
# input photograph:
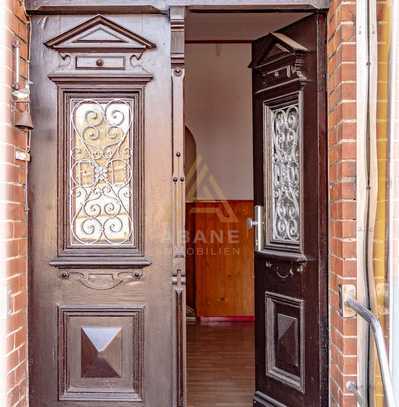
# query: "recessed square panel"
{"type": "Point", "coordinates": [101, 353]}
{"type": "Point", "coordinates": [285, 351]}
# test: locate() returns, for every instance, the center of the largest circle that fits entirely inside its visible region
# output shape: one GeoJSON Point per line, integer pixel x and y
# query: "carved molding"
{"type": "Point", "coordinates": [177, 21]}
{"type": "Point", "coordinates": [100, 48]}
{"type": "Point", "coordinates": [102, 280]}
{"type": "Point", "coordinates": [283, 172]}
{"type": "Point", "coordinates": [111, 338]}
{"type": "Point", "coordinates": [178, 180]}
{"type": "Point", "coordinates": [73, 256]}
{"type": "Point", "coordinates": [100, 34]}
{"type": "Point", "coordinates": [263, 400]}
{"type": "Point", "coordinates": [123, 7]}
{"type": "Point", "coordinates": [180, 347]}
{"type": "Point", "coordinates": [286, 269]}
{"type": "Point", "coordinates": [111, 78]}
{"type": "Point", "coordinates": [285, 340]}
{"type": "Point", "coordinates": [177, 26]}
{"type": "Point", "coordinates": [282, 62]}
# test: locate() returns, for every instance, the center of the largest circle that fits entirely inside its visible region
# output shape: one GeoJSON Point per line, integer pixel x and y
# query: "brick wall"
{"type": "Point", "coordinates": [342, 182]}
{"type": "Point", "coordinates": [342, 177]}
{"type": "Point", "coordinates": [13, 217]}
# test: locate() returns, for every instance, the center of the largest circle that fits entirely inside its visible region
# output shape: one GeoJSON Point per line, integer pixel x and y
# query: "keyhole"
{"type": "Point", "coordinates": [100, 62]}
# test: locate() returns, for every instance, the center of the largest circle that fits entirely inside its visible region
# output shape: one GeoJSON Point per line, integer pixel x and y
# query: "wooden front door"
{"type": "Point", "coordinates": [289, 100]}
{"type": "Point", "coordinates": [106, 188]}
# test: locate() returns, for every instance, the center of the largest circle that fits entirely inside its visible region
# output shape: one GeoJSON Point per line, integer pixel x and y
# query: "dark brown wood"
{"type": "Point", "coordinates": [67, 254]}
{"type": "Point", "coordinates": [178, 178]}
{"type": "Point", "coordinates": [38, 7]}
{"type": "Point", "coordinates": [252, 9]}
{"type": "Point", "coordinates": [216, 41]}
{"type": "Point", "coordinates": [153, 6]}
{"type": "Point", "coordinates": [101, 327]}
{"type": "Point", "coordinates": [291, 277]}
{"type": "Point", "coordinates": [100, 34]}
{"type": "Point", "coordinates": [109, 347]}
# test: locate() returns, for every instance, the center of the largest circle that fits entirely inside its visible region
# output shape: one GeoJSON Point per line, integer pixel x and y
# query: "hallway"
{"type": "Point", "coordinates": [220, 361]}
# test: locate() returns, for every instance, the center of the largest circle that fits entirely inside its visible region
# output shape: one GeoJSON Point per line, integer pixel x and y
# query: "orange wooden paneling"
{"type": "Point", "coordinates": [222, 248]}
{"type": "Point", "coordinates": [190, 255]}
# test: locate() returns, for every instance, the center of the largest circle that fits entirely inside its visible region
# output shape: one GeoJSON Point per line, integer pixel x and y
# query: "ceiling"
{"type": "Point", "coordinates": [243, 26]}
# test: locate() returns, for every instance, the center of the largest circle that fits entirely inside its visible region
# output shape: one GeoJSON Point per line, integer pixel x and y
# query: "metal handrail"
{"type": "Point", "coordinates": [375, 324]}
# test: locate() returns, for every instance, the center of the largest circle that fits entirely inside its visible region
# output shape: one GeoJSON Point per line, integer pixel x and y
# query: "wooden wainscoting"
{"type": "Point", "coordinates": [220, 266]}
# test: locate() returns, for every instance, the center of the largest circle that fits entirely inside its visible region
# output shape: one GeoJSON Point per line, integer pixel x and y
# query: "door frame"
{"type": "Point", "coordinates": [154, 6]}
{"type": "Point", "coordinates": [176, 9]}
{"type": "Point", "coordinates": [180, 322]}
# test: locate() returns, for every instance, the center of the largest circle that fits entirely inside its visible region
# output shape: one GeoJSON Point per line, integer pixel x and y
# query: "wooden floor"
{"type": "Point", "coordinates": [221, 366]}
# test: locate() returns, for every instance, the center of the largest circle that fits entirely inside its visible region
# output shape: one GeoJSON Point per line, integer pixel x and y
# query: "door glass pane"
{"type": "Point", "coordinates": [285, 161]}
{"type": "Point", "coordinates": [101, 172]}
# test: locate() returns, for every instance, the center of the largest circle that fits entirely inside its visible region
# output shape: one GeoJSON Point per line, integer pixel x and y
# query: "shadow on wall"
{"type": "Point", "coordinates": [190, 167]}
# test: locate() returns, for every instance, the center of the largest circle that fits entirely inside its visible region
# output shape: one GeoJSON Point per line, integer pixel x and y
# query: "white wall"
{"type": "Point", "coordinates": [218, 111]}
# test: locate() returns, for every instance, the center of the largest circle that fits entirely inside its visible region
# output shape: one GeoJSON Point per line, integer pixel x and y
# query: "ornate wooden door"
{"type": "Point", "coordinates": [290, 176]}
{"type": "Point", "coordinates": [107, 199]}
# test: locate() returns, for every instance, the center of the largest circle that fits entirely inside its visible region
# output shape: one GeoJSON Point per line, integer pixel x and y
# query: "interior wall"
{"type": "Point", "coordinates": [218, 112]}
{"type": "Point", "coordinates": [218, 118]}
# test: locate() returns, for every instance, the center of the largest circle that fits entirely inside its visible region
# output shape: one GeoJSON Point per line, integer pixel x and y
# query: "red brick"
{"type": "Point", "coordinates": [13, 222]}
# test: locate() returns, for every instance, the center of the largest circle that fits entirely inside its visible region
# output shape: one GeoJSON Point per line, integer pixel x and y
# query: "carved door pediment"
{"type": "Point", "coordinates": [281, 61]}
{"type": "Point", "coordinates": [99, 34]}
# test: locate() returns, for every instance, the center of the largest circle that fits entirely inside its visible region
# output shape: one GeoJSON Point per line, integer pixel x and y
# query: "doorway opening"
{"type": "Point", "coordinates": [219, 200]}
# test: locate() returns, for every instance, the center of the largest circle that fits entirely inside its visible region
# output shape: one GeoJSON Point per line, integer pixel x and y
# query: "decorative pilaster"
{"type": "Point", "coordinates": [177, 16]}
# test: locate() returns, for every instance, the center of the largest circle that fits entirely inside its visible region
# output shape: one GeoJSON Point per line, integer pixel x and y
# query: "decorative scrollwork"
{"type": "Point", "coordinates": [285, 169]}
{"type": "Point", "coordinates": [284, 276]}
{"type": "Point", "coordinates": [101, 172]}
{"type": "Point", "coordinates": [103, 280]}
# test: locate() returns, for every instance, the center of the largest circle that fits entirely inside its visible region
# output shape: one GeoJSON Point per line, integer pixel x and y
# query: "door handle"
{"type": "Point", "coordinates": [251, 223]}
{"type": "Point", "coordinates": [257, 224]}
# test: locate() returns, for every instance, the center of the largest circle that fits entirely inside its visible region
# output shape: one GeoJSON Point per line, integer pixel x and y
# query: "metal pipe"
{"type": "Point", "coordinates": [378, 332]}
{"type": "Point", "coordinates": [17, 48]}
{"type": "Point", "coordinates": [393, 197]}
{"type": "Point", "coordinates": [362, 191]}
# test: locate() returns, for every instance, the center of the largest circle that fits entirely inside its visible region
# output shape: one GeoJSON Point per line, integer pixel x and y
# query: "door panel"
{"type": "Point", "coordinates": [102, 306]}
{"type": "Point", "coordinates": [291, 187]}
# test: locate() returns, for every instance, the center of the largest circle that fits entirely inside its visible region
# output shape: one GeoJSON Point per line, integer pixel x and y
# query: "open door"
{"type": "Point", "coordinates": [107, 192]}
{"type": "Point", "coordinates": [289, 101]}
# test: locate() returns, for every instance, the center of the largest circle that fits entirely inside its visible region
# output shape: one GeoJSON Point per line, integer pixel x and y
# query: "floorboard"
{"type": "Point", "coordinates": [220, 364]}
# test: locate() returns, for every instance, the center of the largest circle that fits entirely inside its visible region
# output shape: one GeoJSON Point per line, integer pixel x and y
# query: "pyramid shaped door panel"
{"type": "Point", "coordinates": [100, 353]}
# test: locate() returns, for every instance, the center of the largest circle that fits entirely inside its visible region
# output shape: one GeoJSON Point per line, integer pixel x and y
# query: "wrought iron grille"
{"type": "Point", "coordinates": [101, 172]}
{"type": "Point", "coordinates": [285, 173]}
